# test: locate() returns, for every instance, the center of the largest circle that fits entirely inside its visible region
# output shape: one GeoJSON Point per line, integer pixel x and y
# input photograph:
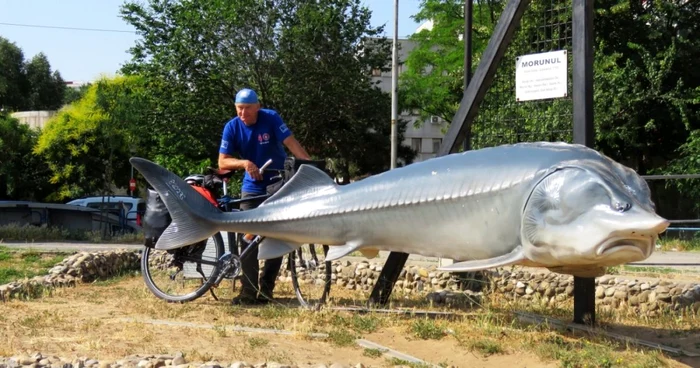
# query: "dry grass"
{"type": "Point", "coordinates": [109, 320]}
{"type": "Point", "coordinates": [679, 245]}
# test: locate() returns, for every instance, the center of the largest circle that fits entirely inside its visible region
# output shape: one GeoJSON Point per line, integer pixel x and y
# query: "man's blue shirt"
{"type": "Point", "coordinates": [257, 143]}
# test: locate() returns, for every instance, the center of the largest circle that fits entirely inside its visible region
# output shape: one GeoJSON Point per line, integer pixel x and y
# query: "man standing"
{"type": "Point", "coordinates": [257, 135]}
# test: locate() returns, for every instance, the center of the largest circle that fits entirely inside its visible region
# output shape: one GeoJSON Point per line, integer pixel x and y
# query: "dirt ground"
{"type": "Point", "coordinates": [113, 319]}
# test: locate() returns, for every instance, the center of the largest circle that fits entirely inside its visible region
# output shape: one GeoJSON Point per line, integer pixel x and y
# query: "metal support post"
{"type": "Point", "coordinates": [394, 86]}
{"type": "Point", "coordinates": [584, 288]}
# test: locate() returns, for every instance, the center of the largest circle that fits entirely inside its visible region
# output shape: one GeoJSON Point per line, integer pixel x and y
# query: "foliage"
{"type": "Point", "coordinates": [646, 101]}
{"type": "Point", "coordinates": [28, 85]}
{"type": "Point", "coordinates": [86, 145]}
{"type": "Point", "coordinates": [74, 94]}
{"type": "Point", "coordinates": [310, 60]}
{"type": "Point", "coordinates": [13, 80]}
{"type": "Point", "coordinates": [19, 264]}
{"type": "Point", "coordinates": [324, 88]}
{"type": "Point", "coordinates": [433, 82]}
{"type": "Point", "coordinates": [194, 56]}
{"type": "Point", "coordinates": [46, 88]}
{"type": "Point", "coordinates": [22, 175]}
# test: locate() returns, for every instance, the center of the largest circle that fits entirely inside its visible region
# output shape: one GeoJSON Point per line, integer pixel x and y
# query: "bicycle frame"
{"type": "Point", "coordinates": [227, 263]}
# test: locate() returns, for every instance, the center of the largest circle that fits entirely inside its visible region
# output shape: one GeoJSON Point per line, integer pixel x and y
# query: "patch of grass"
{"type": "Point", "coordinates": [16, 264]}
{"type": "Point", "coordinates": [427, 329]}
{"type": "Point", "coordinates": [397, 361]}
{"type": "Point", "coordinates": [220, 331]}
{"type": "Point", "coordinates": [373, 353]}
{"type": "Point", "coordinates": [591, 353]}
{"type": "Point", "coordinates": [680, 245]}
{"type": "Point", "coordinates": [257, 342]}
{"type": "Point", "coordinates": [357, 322]}
{"type": "Point", "coordinates": [31, 233]}
{"type": "Point", "coordinates": [273, 312]}
{"type": "Point", "coordinates": [341, 337]}
{"type": "Point", "coordinates": [485, 346]}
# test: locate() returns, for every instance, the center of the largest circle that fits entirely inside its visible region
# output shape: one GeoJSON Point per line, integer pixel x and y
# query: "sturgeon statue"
{"type": "Point", "coordinates": [561, 206]}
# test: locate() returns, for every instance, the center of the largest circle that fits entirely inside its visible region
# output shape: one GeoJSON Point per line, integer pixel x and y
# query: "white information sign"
{"type": "Point", "coordinates": [540, 76]}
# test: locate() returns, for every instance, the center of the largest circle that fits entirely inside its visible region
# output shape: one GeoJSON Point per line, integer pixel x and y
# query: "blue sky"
{"type": "Point", "coordinates": [85, 55]}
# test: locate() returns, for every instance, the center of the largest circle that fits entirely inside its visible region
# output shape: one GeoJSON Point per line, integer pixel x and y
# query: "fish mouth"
{"type": "Point", "coordinates": [642, 245]}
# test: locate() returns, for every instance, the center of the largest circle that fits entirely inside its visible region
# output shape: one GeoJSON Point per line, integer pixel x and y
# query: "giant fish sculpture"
{"type": "Point", "coordinates": [556, 205]}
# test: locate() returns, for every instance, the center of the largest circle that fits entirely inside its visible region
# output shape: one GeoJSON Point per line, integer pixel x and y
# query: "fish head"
{"type": "Point", "coordinates": [581, 218]}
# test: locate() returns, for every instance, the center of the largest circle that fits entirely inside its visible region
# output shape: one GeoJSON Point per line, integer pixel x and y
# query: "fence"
{"type": "Point", "coordinates": [545, 26]}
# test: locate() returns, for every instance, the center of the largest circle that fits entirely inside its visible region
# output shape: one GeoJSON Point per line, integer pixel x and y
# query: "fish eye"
{"type": "Point", "coordinates": [622, 206]}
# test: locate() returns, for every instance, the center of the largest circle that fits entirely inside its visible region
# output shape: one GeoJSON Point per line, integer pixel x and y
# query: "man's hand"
{"type": "Point", "coordinates": [226, 162]}
{"type": "Point", "coordinates": [253, 170]}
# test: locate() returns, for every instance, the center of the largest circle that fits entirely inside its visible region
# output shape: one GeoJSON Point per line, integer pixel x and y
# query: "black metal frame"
{"type": "Point", "coordinates": [584, 288]}
{"type": "Point", "coordinates": [475, 91]}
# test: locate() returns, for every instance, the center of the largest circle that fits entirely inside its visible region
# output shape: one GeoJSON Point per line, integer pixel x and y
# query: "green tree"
{"type": "Point", "coordinates": [194, 56]}
{"type": "Point", "coordinates": [325, 54]}
{"type": "Point", "coordinates": [46, 88]}
{"type": "Point", "coordinates": [13, 79]}
{"type": "Point", "coordinates": [433, 82]}
{"type": "Point", "coordinates": [87, 144]}
{"type": "Point", "coordinates": [22, 174]}
{"type": "Point", "coordinates": [307, 59]}
{"type": "Point", "coordinates": [646, 101]}
{"type": "Point", "coordinates": [73, 94]}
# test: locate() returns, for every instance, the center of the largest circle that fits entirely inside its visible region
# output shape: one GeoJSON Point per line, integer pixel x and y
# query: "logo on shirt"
{"type": "Point", "coordinates": [264, 138]}
{"type": "Point", "coordinates": [224, 144]}
{"type": "Point", "coordinates": [283, 128]}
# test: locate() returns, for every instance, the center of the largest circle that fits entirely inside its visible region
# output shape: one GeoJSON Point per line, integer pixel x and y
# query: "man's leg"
{"type": "Point", "coordinates": [267, 280]}
{"type": "Point", "coordinates": [249, 264]}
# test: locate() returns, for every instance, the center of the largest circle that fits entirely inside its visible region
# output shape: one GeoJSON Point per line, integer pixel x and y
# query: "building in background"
{"type": "Point", "coordinates": [426, 138]}
{"type": "Point", "coordinates": [35, 119]}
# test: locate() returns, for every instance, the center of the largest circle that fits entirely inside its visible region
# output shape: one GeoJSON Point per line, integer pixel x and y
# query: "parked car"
{"type": "Point", "coordinates": [130, 207]}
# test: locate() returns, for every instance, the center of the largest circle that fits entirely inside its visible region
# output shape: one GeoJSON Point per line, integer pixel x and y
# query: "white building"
{"type": "Point", "coordinates": [35, 119]}
{"type": "Point", "coordinates": [426, 138]}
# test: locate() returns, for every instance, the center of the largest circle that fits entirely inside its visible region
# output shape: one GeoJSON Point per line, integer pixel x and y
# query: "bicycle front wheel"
{"type": "Point", "coordinates": [183, 274]}
{"type": "Point", "coordinates": [311, 274]}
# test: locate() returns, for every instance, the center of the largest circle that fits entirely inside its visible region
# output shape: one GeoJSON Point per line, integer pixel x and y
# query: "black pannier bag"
{"type": "Point", "coordinates": [156, 219]}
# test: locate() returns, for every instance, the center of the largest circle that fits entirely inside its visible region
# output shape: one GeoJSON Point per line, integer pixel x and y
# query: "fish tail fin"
{"type": "Point", "coordinates": [193, 216]}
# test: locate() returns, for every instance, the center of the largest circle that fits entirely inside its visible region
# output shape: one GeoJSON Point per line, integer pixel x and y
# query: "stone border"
{"type": "Point", "coordinates": [177, 360]}
{"type": "Point", "coordinates": [612, 292]}
{"type": "Point", "coordinates": [79, 267]}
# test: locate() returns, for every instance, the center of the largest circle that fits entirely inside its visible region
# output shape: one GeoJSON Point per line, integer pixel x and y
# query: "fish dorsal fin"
{"type": "Point", "coordinates": [514, 257]}
{"type": "Point", "coordinates": [308, 181]}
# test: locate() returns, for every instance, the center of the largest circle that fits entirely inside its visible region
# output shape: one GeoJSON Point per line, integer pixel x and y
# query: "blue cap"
{"type": "Point", "coordinates": [247, 96]}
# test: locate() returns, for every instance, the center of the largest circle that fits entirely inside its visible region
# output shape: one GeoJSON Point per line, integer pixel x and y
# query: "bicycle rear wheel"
{"type": "Point", "coordinates": [311, 274]}
{"type": "Point", "coordinates": [183, 274]}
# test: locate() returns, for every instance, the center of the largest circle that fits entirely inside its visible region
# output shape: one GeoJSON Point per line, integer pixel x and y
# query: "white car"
{"type": "Point", "coordinates": [129, 207]}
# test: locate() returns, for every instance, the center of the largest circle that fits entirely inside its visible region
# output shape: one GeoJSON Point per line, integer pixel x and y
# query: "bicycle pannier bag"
{"type": "Point", "coordinates": [156, 219]}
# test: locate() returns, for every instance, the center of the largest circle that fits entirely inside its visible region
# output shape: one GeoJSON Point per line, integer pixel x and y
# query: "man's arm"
{"type": "Point", "coordinates": [228, 162]}
{"type": "Point", "coordinates": [297, 150]}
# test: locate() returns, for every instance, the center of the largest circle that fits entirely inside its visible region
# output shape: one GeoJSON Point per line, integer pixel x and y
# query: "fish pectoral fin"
{"type": "Point", "coordinates": [369, 253]}
{"type": "Point", "coordinates": [515, 256]}
{"type": "Point", "coordinates": [337, 251]}
{"type": "Point", "coordinates": [274, 248]}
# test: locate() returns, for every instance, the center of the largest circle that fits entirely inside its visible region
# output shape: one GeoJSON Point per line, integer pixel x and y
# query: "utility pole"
{"type": "Point", "coordinates": [394, 85]}
{"type": "Point", "coordinates": [468, 10]}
